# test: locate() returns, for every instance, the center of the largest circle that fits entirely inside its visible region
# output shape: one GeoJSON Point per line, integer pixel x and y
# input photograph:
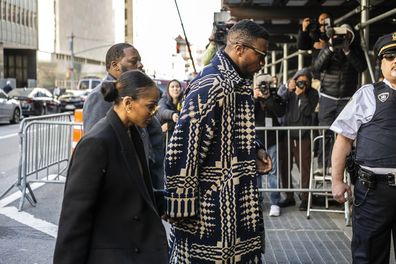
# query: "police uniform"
{"type": "Point", "coordinates": [370, 119]}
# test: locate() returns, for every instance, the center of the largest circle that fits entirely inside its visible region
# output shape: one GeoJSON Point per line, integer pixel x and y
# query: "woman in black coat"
{"type": "Point", "coordinates": [170, 106]}
{"type": "Point", "coordinates": [109, 212]}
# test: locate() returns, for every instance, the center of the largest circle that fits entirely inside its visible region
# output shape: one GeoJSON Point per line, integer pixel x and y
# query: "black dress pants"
{"type": "Point", "coordinates": [373, 221]}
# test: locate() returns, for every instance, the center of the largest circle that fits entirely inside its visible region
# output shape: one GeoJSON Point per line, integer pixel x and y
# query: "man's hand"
{"type": "Point", "coordinates": [175, 117]}
{"type": "Point", "coordinates": [319, 44]}
{"type": "Point", "coordinates": [263, 162]}
{"type": "Point", "coordinates": [164, 127]}
{"type": "Point", "coordinates": [257, 94]}
{"type": "Point", "coordinates": [291, 86]}
{"type": "Point", "coordinates": [339, 188]}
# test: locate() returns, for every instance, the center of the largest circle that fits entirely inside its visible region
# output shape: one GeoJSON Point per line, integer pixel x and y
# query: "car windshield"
{"type": "Point", "coordinates": [84, 85]}
{"type": "Point", "coordinates": [20, 92]}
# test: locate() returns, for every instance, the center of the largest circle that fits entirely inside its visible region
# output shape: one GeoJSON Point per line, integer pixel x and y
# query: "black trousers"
{"type": "Point", "coordinates": [329, 109]}
{"type": "Point", "coordinates": [372, 223]}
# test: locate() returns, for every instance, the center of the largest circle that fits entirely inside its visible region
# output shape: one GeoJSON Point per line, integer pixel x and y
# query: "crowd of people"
{"type": "Point", "coordinates": [193, 157]}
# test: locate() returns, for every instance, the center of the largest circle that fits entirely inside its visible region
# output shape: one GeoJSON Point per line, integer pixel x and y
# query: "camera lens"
{"type": "Point", "coordinates": [301, 84]}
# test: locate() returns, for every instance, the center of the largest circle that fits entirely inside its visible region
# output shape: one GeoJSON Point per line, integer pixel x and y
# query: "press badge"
{"type": "Point", "coordinates": [268, 122]}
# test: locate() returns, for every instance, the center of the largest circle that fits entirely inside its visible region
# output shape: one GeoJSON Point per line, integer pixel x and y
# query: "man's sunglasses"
{"type": "Point", "coordinates": [262, 53]}
{"type": "Point", "coordinates": [388, 56]}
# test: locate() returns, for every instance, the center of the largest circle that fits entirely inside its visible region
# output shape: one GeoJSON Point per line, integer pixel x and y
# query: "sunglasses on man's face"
{"type": "Point", "coordinates": [388, 56]}
{"type": "Point", "coordinates": [262, 54]}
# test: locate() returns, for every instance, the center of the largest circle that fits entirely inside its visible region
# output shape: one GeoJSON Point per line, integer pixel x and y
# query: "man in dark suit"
{"type": "Point", "coordinates": [122, 57]}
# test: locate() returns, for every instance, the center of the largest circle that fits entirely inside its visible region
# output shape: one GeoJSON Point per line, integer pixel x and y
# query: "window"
{"type": "Point", "coordinates": [22, 16]}
{"type": "Point", "coordinates": [13, 7]}
{"type": "Point", "coordinates": [9, 7]}
{"type": "Point", "coordinates": [95, 83]}
{"type": "Point", "coordinates": [18, 14]}
{"type": "Point", "coordinates": [3, 10]}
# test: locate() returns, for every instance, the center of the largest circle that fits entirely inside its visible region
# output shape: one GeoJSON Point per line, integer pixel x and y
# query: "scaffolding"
{"type": "Point", "coordinates": [363, 27]}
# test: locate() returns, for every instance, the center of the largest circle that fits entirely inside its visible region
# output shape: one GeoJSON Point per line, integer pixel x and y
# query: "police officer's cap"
{"type": "Point", "coordinates": [384, 44]}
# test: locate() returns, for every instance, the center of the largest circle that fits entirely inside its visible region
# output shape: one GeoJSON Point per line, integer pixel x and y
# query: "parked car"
{"type": "Point", "coordinates": [73, 99]}
{"type": "Point", "coordinates": [35, 101]}
{"type": "Point", "coordinates": [10, 109]}
{"type": "Point", "coordinates": [88, 83]}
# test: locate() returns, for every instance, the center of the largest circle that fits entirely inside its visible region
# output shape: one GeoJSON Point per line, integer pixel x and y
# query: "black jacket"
{"type": "Point", "coordinates": [274, 107]}
{"type": "Point", "coordinates": [300, 109]}
{"type": "Point", "coordinates": [165, 111]}
{"type": "Point", "coordinates": [108, 211]}
{"type": "Point", "coordinates": [339, 72]}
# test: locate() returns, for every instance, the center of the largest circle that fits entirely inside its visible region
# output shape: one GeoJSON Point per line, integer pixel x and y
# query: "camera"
{"type": "Point", "coordinates": [264, 82]}
{"type": "Point", "coordinates": [221, 30]}
{"type": "Point", "coordinates": [221, 27]}
{"type": "Point", "coordinates": [302, 84]}
{"type": "Point", "coordinates": [314, 29]}
{"type": "Point", "coordinates": [264, 87]}
{"type": "Point", "coordinates": [339, 37]}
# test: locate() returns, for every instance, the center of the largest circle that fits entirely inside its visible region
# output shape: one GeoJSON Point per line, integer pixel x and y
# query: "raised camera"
{"type": "Point", "coordinates": [338, 36]}
{"type": "Point", "coordinates": [264, 87]}
{"type": "Point", "coordinates": [301, 84]}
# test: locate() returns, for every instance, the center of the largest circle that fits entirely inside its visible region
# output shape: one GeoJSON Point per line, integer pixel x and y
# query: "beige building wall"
{"type": "Point", "coordinates": [18, 24]}
{"type": "Point", "coordinates": [129, 21]}
{"type": "Point", "coordinates": [92, 24]}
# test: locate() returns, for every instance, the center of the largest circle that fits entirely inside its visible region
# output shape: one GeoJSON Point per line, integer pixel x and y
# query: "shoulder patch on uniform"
{"type": "Point", "coordinates": [383, 96]}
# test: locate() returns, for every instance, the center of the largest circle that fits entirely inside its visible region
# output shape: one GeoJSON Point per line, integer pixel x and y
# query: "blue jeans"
{"type": "Point", "coordinates": [272, 177]}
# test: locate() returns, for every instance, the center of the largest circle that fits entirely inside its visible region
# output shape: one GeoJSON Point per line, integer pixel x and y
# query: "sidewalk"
{"type": "Point", "coordinates": [292, 238]}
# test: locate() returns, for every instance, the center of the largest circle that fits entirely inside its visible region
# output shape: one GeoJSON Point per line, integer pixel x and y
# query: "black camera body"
{"type": "Point", "coordinates": [302, 84]}
{"type": "Point", "coordinates": [314, 29]}
{"type": "Point", "coordinates": [221, 27]}
{"type": "Point", "coordinates": [338, 36]}
{"type": "Point", "coordinates": [267, 87]}
{"type": "Point", "coordinates": [221, 30]}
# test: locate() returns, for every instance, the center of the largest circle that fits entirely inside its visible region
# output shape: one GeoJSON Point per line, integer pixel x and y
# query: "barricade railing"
{"type": "Point", "coordinates": [45, 148]}
{"type": "Point", "coordinates": [319, 139]}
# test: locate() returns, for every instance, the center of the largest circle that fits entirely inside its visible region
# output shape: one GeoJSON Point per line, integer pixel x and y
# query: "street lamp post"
{"type": "Point", "coordinates": [71, 46]}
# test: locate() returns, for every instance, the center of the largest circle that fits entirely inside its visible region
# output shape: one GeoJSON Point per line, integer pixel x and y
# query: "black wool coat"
{"type": "Point", "coordinates": [108, 211]}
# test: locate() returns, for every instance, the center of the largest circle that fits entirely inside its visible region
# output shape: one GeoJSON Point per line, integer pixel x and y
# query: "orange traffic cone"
{"type": "Point", "coordinates": [78, 131]}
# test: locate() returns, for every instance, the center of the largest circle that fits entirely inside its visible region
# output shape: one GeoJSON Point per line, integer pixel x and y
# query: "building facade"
{"type": "Point", "coordinates": [74, 38]}
{"type": "Point", "coordinates": [19, 42]}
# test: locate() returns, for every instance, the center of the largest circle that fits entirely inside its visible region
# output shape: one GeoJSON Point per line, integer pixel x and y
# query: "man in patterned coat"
{"type": "Point", "coordinates": [211, 191]}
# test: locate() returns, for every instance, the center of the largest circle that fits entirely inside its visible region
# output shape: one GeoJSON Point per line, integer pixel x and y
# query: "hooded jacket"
{"type": "Point", "coordinates": [339, 72]}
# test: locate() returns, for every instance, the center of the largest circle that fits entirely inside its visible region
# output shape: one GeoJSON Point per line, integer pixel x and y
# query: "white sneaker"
{"type": "Point", "coordinates": [275, 210]}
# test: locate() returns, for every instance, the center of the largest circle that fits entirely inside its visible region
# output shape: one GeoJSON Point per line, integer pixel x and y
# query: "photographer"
{"type": "Point", "coordinates": [339, 63]}
{"type": "Point", "coordinates": [217, 39]}
{"type": "Point", "coordinates": [312, 33]}
{"type": "Point", "coordinates": [268, 108]}
{"type": "Point", "coordinates": [301, 103]}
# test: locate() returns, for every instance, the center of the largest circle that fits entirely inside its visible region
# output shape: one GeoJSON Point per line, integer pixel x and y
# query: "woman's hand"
{"type": "Point", "coordinates": [164, 127]}
{"type": "Point", "coordinates": [175, 117]}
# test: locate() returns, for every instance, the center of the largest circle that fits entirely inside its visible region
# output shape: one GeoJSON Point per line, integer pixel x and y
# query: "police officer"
{"type": "Point", "coordinates": [369, 118]}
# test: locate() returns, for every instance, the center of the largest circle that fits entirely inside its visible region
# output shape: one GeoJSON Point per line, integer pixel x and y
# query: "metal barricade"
{"type": "Point", "coordinates": [45, 147]}
{"type": "Point", "coordinates": [318, 185]}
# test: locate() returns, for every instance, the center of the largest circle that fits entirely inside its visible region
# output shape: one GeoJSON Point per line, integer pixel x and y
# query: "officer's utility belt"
{"type": "Point", "coordinates": [369, 179]}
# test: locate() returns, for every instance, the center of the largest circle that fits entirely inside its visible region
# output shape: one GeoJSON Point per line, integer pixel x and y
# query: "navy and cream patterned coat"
{"type": "Point", "coordinates": [211, 190]}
